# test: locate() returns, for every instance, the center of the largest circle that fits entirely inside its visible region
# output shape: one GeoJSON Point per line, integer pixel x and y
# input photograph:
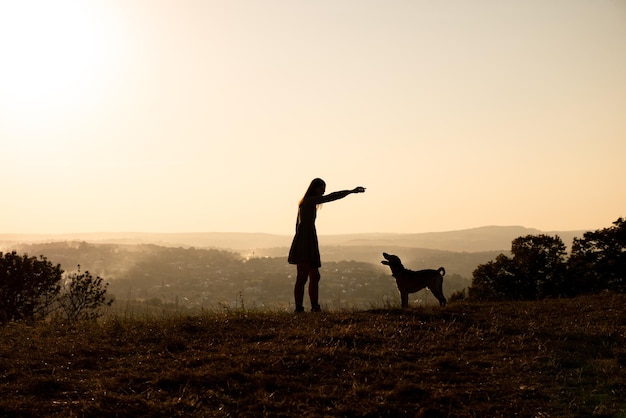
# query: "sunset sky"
{"type": "Point", "coordinates": [201, 115]}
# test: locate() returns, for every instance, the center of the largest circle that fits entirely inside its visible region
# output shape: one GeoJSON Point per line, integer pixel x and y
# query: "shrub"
{"type": "Point", "coordinates": [82, 296]}
{"type": "Point", "coordinates": [28, 286]}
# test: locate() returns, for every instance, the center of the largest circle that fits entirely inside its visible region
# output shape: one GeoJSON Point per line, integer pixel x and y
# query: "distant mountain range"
{"type": "Point", "coordinates": [487, 238]}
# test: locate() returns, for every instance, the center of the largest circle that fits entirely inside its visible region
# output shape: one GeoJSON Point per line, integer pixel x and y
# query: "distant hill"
{"type": "Point", "coordinates": [487, 238]}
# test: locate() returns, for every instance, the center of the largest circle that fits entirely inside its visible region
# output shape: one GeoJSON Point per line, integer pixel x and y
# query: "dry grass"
{"type": "Point", "coordinates": [552, 358]}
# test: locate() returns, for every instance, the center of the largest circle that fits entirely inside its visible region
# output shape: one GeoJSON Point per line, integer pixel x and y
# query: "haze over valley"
{"type": "Point", "coordinates": [471, 240]}
{"type": "Point", "coordinates": [213, 270]}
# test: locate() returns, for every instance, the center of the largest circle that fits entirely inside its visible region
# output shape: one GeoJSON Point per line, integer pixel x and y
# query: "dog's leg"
{"type": "Point", "coordinates": [405, 299]}
{"type": "Point", "coordinates": [438, 292]}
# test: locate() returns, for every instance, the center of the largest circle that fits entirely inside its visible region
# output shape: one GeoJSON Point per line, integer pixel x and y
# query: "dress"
{"type": "Point", "coordinates": [304, 246]}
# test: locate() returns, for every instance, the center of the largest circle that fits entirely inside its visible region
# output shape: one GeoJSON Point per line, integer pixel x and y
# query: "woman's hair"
{"type": "Point", "coordinates": [315, 183]}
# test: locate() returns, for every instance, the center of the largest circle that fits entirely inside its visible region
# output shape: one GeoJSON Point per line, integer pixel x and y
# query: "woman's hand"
{"type": "Point", "coordinates": [358, 189]}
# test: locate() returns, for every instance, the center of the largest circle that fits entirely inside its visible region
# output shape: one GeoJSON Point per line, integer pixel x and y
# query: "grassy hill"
{"type": "Point", "coordinates": [532, 359]}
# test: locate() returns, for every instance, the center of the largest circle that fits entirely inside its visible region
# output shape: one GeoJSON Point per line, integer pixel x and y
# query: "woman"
{"type": "Point", "coordinates": [305, 252]}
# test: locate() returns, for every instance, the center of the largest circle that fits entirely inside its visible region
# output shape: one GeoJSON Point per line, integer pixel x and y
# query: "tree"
{"type": "Point", "coordinates": [598, 260]}
{"type": "Point", "coordinates": [28, 286]}
{"type": "Point", "coordinates": [536, 270]}
{"type": "Point", "coordinates": [494, 280]}
{"type": "Point", "coordinates": [82, 296]}
{"type": "Point", "coordinates": [540, 265]}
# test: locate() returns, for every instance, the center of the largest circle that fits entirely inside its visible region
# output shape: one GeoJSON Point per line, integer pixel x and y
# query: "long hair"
{"type": "Point", "coordinates": [315, 183]}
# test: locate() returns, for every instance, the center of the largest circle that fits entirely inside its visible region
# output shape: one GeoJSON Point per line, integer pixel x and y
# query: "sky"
{"type": "Point", "coordinates": [214, 116]}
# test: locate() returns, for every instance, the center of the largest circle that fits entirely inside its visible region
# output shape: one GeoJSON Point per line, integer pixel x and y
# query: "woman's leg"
{"type": "Point", "coordinates": [314, 275]}
{"type": "Point", "coordinates": [298, 291]}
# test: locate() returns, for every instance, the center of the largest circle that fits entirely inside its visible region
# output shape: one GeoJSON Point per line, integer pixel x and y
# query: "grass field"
{"type": "Point", "coordinates": [553, 358]}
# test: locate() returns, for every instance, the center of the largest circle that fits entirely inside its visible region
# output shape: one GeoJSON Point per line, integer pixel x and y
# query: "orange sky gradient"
{"type": "Point", "coordinates": [199, 115]}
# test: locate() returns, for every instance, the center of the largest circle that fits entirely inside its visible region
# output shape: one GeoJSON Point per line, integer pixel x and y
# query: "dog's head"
{"type": "Point", "coordinates": [392, 261]}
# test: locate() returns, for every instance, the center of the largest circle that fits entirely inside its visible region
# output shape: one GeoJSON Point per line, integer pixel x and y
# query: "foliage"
{"type": "Point", "coordinates": [32, 288]}
{"type": "Point", "coordinates": [491, 280]}
{"type": "Point", "coordinates": [535, 270]}
{"type": "Point", "coordinates": [28, 286]}
{"type": "Point", "coordinates": [539, 267]}
{"type": "Point", "coordinates": [539, 263]}
{"type": "Point", "coordinates": [556, 358]}
{"type": "Point", "coordinates": [598, 260]}
{"type": "Point", "coordinates": [82, 296]}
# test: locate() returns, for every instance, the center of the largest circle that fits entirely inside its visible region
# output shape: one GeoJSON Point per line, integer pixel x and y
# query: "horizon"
{"type": "Point", "coordinates": [289, 235]}
{"type": "Point", "coordinates": [479, 239]}
{"type": "Point", "coordinates": [208, 116]}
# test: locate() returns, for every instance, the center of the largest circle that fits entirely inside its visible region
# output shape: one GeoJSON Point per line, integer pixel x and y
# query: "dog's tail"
{"type": "Point", "coordinates": [441, 271]}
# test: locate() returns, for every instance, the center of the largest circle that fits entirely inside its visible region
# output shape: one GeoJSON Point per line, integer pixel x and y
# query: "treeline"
{"type": "Point", "coordinates": [539, 267]}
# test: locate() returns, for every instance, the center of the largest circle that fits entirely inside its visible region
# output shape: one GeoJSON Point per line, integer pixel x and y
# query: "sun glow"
{"type": "Point", "coordinates": [56, 55]}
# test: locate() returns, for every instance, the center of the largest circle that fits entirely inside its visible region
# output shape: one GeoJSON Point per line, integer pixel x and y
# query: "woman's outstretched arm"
{"type": "Point", "coordinates": [336, 195]}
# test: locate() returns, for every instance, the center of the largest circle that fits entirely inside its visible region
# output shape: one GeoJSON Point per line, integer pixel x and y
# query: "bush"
{"type": "Point", "coordinates": [28, 286]}
{"type": "Point", "coordinates": [32, 288]}
{"type": "Point", "coordinates": [82, 296]}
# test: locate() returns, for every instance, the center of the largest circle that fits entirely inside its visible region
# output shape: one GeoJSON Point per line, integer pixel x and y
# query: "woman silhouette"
{"type": "Point", "coordinates": [304, 251]}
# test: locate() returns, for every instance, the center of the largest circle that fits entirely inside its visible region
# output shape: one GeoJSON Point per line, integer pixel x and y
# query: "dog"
{"type": "Point", "coordinates": [410, 281]}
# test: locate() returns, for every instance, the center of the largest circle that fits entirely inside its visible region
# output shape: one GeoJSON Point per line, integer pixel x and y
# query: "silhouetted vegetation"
{"type": "Point", "coordinates": [82, 296]}
{"type": "Point", "coordinates": [28, 286]}
{"type": "Point", "coordinates": [31, 289]}
{"type": "Point", "coordinates": [598, 260]}
{"type": "Point", "coordinates": [539, 267]}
